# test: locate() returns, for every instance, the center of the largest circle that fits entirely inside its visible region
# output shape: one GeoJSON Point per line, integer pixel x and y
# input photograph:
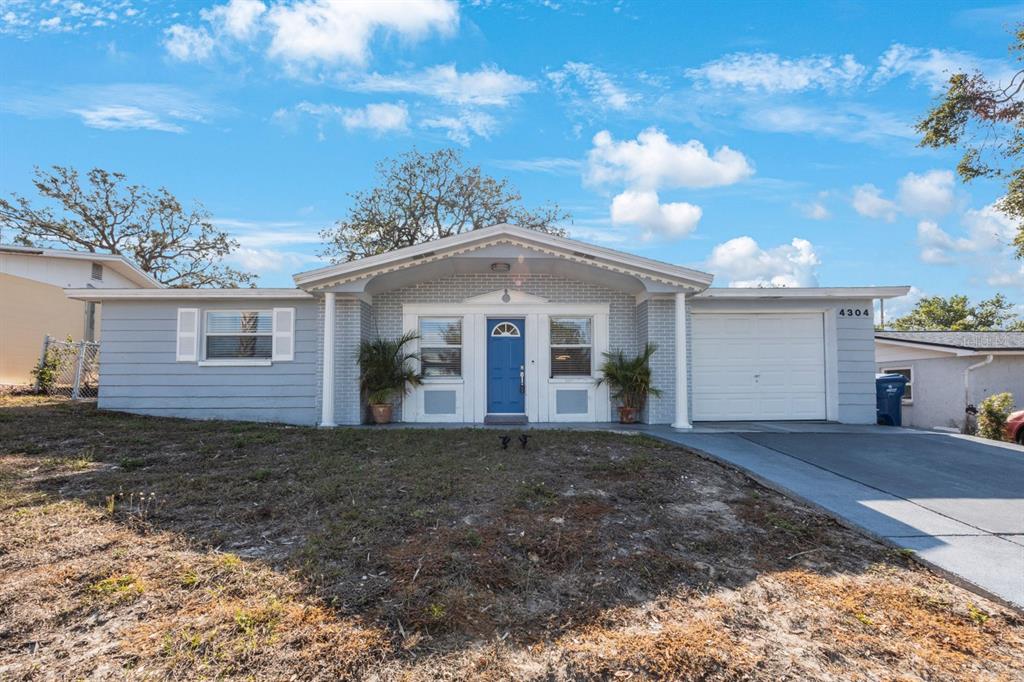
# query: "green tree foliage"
{"type": "Point", "coordinates": [935, 313]}
{"type": "Point", "coordinates": [423, 197]}
{"type": "Point", "coordinates": [986, 120]}
{"type": "Point", "coordinates": [993, 413]}
{"type": "Point", "coordinates": [177, 246]}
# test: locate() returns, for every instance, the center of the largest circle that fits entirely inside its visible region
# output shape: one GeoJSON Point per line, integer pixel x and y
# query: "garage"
{"type": "Point", "coordinates": [758, 366]}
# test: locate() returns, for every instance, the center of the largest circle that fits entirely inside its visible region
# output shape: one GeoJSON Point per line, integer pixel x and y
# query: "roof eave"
{"type": "Point", "coordinates": [804, 292]}
{"type": "Point", "coordinates": [166, 294]}
{"type": "Point", "coordinates": [411, 255]}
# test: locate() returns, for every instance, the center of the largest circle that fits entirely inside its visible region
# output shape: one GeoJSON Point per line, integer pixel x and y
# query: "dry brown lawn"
{"type": "Point", "coordinates": [144, 548]}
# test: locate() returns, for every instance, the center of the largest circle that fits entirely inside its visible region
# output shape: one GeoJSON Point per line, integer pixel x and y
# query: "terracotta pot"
{"type": "Point", "coordinates": [627, 415]}
{"type": "Point", "coordinates": [381, 413]}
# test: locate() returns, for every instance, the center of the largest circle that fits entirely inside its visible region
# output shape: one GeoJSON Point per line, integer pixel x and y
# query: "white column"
{"type": "Point", "coordinates": [682, 420]}
{"type": "Point", "coordinates": [327, 414]}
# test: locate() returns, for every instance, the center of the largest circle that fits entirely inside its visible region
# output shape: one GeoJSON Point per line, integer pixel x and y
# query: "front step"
{"type": "Point", "coordinates": [505, 419]}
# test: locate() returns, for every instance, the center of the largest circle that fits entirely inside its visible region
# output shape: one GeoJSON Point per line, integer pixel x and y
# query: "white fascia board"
{"type": "Point", "coordinates": [185, 294]}
{"type": "Point", "coordinates": [952, 350]}
{"type": "Point", "coordinates": [588, 252]}
{"type": "Point", "coordinates": [768, 293]}
{"type": "Point", "coordinates": [120, 264]}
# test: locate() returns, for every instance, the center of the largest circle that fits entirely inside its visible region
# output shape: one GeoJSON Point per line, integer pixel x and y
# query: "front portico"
{"type": "Point", "coordinates": [569, 303]}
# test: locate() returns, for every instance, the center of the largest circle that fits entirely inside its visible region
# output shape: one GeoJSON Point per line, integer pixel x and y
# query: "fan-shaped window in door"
{"type": "Point", "coordinates": [505, 329]}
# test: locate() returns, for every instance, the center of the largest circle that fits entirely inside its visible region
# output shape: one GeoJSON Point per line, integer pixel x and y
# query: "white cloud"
{"type": "Point", "coordinates": [771, 73]}
{"type": "Point", "coordinates": [310, 32]}
{"type": "Point", "coordinates": [378, 118]}
{"type": "Point", "coordinates": [601, 90]}
{"type": "Point", "coordinates": [928, 194]}
{"type": "Point", "coordinates": [188, 44]}
{"type": "Point", "coordinates": [115, 117]}
{"type": "Point", "coordinates": [933, 67]}
{"type": "Point", "coordinates": [652, 161]}
{"type": "Point", "coordinates": [743, 263]}
{"type": "Point", "coordinates": [815, 210]}
{"type": "Point", "coordinates": [461, 127]}
{"type": "Point", "coordinates": [51, 24]}
{"type": "Point", "coordinates": [271, 260]}
{"type": "Point", "coordinates": [340, 32]}
{"type": "Point", "coordinates": [642, 208]}
{"type": "Point", "coordinates": [488, 86]}
{"type": "Point", "coordinates": [868, 201]}
{"type": "Point", "coordinates": [899, 306]}
{"type": "Point", "coordinates": [936, 244]}
{"type": "Point", "coordinates": [554, 165]}
{"type": "Point", "coordinates": [116, 106]}
{"type": "Point", "coordinates": [854, 123]}
{"type": "Point", "coordinates": [238, 18]}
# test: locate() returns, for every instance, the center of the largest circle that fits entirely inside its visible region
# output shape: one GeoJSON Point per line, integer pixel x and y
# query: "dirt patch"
{"type": "Point", "coordinates": [140, 547]}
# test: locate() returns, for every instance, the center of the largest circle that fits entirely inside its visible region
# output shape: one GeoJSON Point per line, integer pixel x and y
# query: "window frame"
{"type": "Point", "coordinates": [206, 360]}
{"type": "Point", "coordinates": [910, 382]}
{"type": "Point", "coordinates": [552, 346]}
{"type": "Point", "coordinates": [442, 378]}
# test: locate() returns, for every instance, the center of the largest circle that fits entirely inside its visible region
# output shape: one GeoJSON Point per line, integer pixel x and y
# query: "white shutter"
{"type": "Point", "coordinates": [284, 334]}
{"type": "Point", "coordinates": [188, 334]}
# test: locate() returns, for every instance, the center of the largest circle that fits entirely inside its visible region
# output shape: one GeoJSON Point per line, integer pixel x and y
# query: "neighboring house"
{"type": "Point", "coordinates": [946, 371]}
{"type": "Point", "coordinates": [33, 304]}
{"type": "Point", "coordinates": [512, 322]}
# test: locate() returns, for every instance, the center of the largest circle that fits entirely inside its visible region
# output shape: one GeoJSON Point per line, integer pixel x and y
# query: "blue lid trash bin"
{"type": "Point", "coordinates": [889, 398]}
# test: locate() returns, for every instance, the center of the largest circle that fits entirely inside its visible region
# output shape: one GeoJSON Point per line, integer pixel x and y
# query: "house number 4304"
{"type": "Point", "coordinates": [854, 312]}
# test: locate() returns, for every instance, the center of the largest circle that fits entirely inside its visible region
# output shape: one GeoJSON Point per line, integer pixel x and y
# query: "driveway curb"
{"type": "Point", "coordinates": [843, 521]}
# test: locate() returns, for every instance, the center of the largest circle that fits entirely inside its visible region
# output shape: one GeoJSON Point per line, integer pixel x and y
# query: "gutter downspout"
{"type": "Point", "coordinates": [967, 378]}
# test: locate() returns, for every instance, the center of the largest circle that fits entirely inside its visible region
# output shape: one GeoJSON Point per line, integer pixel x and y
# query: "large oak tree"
{"type": "Point", "coordinates": [178, 246]}
{"type": "Point", "coordinates": [985, 119]}
{"type": "Point", "coordinates": [422, 197]}
{"type": "Point", "coordinates": [958, 314]}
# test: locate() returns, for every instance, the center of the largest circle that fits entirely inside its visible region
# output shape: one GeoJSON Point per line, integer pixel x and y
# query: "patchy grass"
{"type": "Point", "coordinates": [158, 548]}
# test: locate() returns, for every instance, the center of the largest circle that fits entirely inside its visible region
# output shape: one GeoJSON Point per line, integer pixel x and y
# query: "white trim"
{"type": "Point", "coordinates": [682, 398]}
{"type": "Point", "coordinates": [185, 294]}
{"type": "Point", "coordinates": [471, 396]}
{"type": "Point", "coordinates": [118, 263]}
{"type": "Point", "coordinates": [952, 350]}
{"type": "Point", "coordinates": [227, 362]}
{"type": "Point", "coordinates": [562, 247]}
{"type": "Point", "coordinates": [802, 292]}
{"type": "Point", "coordinates": [327, 395]}
{"type": "Point", "coordinates": [498, 297]}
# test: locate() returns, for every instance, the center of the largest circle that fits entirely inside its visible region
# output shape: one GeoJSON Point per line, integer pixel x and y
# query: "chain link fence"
{"type": "Point", "coordinates": [69, 368]}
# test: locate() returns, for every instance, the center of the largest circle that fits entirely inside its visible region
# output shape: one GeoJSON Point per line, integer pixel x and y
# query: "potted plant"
{"type": "Point", "coordinates": [385, 372]}
{"type": "Point", "coordinates": [629, 379]}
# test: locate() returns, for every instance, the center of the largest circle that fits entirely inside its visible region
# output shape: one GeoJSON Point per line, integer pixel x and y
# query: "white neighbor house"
{"type": "Point", "coordinates": [947, 371]}
{"type": "Point", "coordinates": [33, 304]}
{"type": "Point", "coordinates": [512, 322]}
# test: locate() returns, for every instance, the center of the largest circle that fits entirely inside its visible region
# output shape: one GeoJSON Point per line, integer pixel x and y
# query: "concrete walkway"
{"type": "Point", "coordinates": [958, 502]}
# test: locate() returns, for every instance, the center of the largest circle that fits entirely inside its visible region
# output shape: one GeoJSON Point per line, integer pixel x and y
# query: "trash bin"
{"type": "Point", "coordinates": [889, 398]}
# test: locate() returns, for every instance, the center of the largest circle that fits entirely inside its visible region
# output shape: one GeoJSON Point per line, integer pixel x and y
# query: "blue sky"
{"type": "Point", "coordinates": [766, 143]}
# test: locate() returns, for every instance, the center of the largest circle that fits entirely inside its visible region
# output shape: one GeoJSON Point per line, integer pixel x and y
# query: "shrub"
{"type": "Point", "coordinates": [992, 415]}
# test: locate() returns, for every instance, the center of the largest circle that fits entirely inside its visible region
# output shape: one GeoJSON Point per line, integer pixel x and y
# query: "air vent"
{"type": "Point", "coordinates": [420, 256]}
{"type": "Point", "coordinates": [583, 255]}
{"type": "Point", "coordinates": [97, 272]}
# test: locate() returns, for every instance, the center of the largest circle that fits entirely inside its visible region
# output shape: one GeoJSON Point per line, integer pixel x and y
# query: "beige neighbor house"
{"type": "Point", "coordinates": [33, 304]}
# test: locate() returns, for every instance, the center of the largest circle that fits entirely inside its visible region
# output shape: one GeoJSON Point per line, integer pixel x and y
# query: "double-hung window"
{"type": "Point", "coordinates": [441, 346]}
{"type": "Point", "coordinates": [239, 334]}
{"type": "Point", "coordinates": [571, 346]}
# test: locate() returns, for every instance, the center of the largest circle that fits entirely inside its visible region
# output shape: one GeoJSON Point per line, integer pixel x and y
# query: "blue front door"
{"type": "Point", "coordinates": [506, 358]}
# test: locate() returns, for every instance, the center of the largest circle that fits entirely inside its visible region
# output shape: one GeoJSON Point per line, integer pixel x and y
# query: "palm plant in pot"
{"type": "Point", "coordinates": [386, 372]}
{"type": "Point", "coordinates": [629, 379]}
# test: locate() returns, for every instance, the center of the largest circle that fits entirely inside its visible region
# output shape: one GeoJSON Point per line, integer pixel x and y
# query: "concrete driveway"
{"type": "Point", "coordinates": [957, 501]}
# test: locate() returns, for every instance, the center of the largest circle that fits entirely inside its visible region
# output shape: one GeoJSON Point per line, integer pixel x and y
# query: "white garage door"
{"type": "Point", "coordinates": [758, 366]}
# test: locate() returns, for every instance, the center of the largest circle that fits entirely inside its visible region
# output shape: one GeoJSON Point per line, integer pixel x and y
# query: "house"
{"type": "Point", "coordinates": [512, 322]}
{"type": "Point", "coordinates": [947, 371]}
{"type": "Point", "coordinates": [33, 304]}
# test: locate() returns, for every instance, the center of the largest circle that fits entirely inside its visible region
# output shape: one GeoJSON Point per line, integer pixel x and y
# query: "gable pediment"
{"type": "Point", "coordinates": [506, 296]}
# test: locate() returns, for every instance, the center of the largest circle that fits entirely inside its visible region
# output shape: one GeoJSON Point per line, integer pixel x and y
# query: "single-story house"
{"type": "Point", "coordinates": [511, 321]}
{"type": "Point", "coordinates": [947, 371]}
{"type": "Point", "coordinates": [33, 304]}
